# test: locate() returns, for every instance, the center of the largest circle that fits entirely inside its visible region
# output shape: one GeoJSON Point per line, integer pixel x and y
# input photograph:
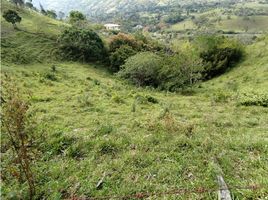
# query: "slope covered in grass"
{"type": "Point", "coordinates": [142, 139]}
{"type": "Point", "coordinates": [89, 123]}
{"type": "Point", "coordinates": [35, 41]}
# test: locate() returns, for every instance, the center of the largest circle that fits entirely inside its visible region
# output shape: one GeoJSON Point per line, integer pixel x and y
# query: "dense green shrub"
{"type": "Point", "coordinates": [218, 54]}
{"type": "Point", "coordinates": [180, 71]}
{"type": "Point", "coordinates": [142, 69]}
{"type": "Point", "coordinates": [12, 17]}
{"type": "Point", "coordinates": [122, 46]}
{"type": "Point", "coordinates": [81, 45]}
{"type": "Point", "coordinates": [76, 16]}
{"type": "Point", "coordinates": [164, 72]}
{"type": "Point", "coordinates": [119, 57]}
{"type": "Point", "coordinates": [254, 99]}
{"type": "Point", "coordinates": [123, 39]}
{"type": "Point", "coordinates": [218, 60]}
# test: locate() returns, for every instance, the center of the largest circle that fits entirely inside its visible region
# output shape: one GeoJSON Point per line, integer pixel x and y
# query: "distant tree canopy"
{"type": "Point", "coordinates": [18, 2]}
{"type": "Point", "coordinates": [12, 17]}
{"type": "Point", "coordinates": [43, 11]}
{"type": "Point", "coordinates": [51, 13]}
{"type": "Point", "coordinates": [76, 16]}
{"type": "Point", "coordinates": [29, 4]}
{"type": "Point", "coordinates": [81, 45]}
{"type": "Point", "coordinates": [174, 18]}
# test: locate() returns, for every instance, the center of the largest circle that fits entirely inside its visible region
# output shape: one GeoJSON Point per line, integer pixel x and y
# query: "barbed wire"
{"type": "Point", "coordinates": [179, 191]}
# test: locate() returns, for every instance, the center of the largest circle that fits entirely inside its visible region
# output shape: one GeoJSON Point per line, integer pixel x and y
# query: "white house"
{"type": "Point", "coordinates": [114, 27]}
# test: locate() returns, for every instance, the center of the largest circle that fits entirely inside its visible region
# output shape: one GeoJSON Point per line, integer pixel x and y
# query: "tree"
{"type": "Point", "coordinates": [18, 2]}
{"type": "Point", "coordinates": [76, 16]}
{"type": "Point", "coordinates": [52, 14]}
{"type": "Point", "coordinates": [142, 69]}
{"type": "Point", "coordinates": [43, 11]}
{"type": "Point", "coordinates": [123, 39]}
{"type": "Point", "coordinates": [29, 5]}
{"type": "Point", "coordinates": [218, 54]}
{"type": "Point", "coordinates": [12, 17]}
{"type": "Point", "coordinates": [61, 15]}
{"type": "Point", "coordinates": [119, 57]}
{"type": "Point", "coordinates": [81, 45]}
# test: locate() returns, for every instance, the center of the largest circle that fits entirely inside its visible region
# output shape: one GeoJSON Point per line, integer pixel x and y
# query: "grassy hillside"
{"type": "Point", "coordinates": [90, 123]}
{"type": "Point", "coordinates": [35, 41]}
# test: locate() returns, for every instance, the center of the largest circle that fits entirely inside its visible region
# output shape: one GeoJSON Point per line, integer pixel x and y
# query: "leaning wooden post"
{"type": "Point", "coordinates": [224, 193]}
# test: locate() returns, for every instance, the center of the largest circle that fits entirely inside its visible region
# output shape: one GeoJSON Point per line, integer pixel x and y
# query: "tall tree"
{"type": "Point", "coordinates": [18, 2]}
{"type": "Point", "coordinates": [76, 16]}
{"type": "Point", "coordinates": [43, 11]}
{"type": "Point", "coordinates": [61, 15]}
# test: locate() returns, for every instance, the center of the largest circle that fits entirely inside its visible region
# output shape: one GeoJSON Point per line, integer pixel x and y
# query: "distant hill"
{"type": "Point", "coordinates": [97, 7]}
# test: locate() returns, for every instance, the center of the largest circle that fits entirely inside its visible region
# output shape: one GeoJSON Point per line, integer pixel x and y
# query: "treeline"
{"type": "Point", "coordinates": [29, 4]}
{"type": "Point", "coordinates": [145, 62]}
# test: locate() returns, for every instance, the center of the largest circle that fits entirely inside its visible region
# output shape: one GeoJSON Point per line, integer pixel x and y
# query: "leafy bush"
{"type": "Point", "coordinates": [81, 45]}
{"type": "Point", "coordinates": [165, 72]}
{"type": "Point", "coordinates": [254, 99]}
{"type": "Point", "coordinates": [218, 54]}
{"type": "Point", "coordinates": [76, 16]}
{"type": "Point", "coordinates": [180, 71]}
{"type": "Point", "coordinates": [142, 69]}
{"type": "Point", "coordinates": [12, 17]}
{"type": "Point", "coordinates": [123, 39]}
{"type": "Point", "coordinates": [119, 57]}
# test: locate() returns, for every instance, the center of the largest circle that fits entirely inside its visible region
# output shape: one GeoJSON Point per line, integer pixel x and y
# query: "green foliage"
{"type": "Point", "coordinates": [122, 39]}
{"type": "Point", "coordinates": [179, 71]}
{"type": "Point", "coordinates": [57, 144]}
{"type": "Point", "coordinates": [254, 99]}
{"type": "Point", "coordinates": [12, 17]}
{"type": "Point", "coordinates": [52, 14]}
{"type": "Point", "coordinates": [166, 72]}
{"type": "Point", "coordinates": [119, 57]}
{"type": "Point", "coordinates": [142, 69]}
{"type": "Point", "coordinates": [218, 54]}
{"type": "Point", "coordinates": [18, 128]}
{"type": "Point", "coordinates": [81, 45]}
{"type": "Point", "coordinates": [84, 100]}
{"type": "Point", "coordinates": [152, 99]}
{"type": "Point", "coordinates": [76, 16]}
{"type": "Point", "coordinates": [105, 129]}
{"type": "Point", "coordinates": [174, 18]}
{"type": "Point", "coordinates": [221, 96]}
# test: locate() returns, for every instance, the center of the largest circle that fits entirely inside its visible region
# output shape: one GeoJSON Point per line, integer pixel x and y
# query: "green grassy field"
{"type": "Point", "coordinates": [252, 24]}
{"type": "Point", "coordinates": [144, 140]}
